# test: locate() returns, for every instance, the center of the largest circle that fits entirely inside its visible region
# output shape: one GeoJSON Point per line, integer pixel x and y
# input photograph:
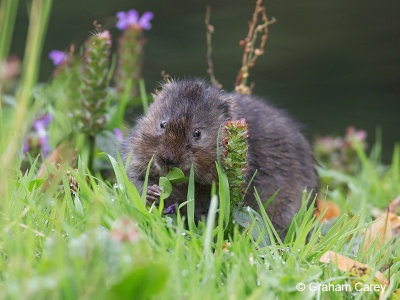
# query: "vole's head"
{"type": "Point", "coordinates": [181, 128]}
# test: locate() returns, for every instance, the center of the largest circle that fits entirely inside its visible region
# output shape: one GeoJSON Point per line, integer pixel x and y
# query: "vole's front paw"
{"type": "Point", "coordinates": [153, 194]}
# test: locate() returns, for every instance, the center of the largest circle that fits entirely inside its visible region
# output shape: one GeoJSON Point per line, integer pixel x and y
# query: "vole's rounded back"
{"type": "Point", "coordinates": [181, 127]}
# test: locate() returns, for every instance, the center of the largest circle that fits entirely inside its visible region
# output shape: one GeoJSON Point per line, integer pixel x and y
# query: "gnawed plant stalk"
{"type": "Point", "coordinates": [234, 158]}
{"type": "Point", "coordinates": [94, 87]}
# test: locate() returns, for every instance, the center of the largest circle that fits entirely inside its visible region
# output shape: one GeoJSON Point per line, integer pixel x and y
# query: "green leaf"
{"type": "Point", "coordinates": [146, 180]}
{"type": "Point", "coordinates": [117, 171]}
{"type": "Point", "coordinates": [312, 274]}
{"type": "Point", "coordinates": [143, 281]}
{"type": "Point", "coordinates": [165, 186]}
{"type": "Point", "coordinates": [211, 216]}
{"type": "Point", "coordinates": [35, 183]}
{"type": "Point", "coordinates": [122, 179]}
{"type": "Point", "coordinates": [107, 141]}
{"type": "Point", "coordinates": [224, 216]}
{"type": "Point", "coordinates": [250, 219]}
{"type": "Point", "coordinates": [176, 175]}
{"type": "Point", "coordinates": [78, 206]}
{"type": "Point", "coordinates": [190, 202]}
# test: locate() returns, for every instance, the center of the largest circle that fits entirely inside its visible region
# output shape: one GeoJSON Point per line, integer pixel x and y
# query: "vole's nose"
{"type": "Point", "coordinates": [169, 160]}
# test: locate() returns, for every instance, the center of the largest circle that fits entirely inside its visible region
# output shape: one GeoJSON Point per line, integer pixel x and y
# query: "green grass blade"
{"type": "Point", "coordinates": [191, 202]}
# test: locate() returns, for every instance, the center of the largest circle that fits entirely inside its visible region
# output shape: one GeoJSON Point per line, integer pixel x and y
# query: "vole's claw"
{"type": "Point", "coordinates": [153, 194]}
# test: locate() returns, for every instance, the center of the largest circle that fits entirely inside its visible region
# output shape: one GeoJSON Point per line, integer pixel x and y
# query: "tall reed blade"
{"type": "Point", "coordinates": [38, 21]}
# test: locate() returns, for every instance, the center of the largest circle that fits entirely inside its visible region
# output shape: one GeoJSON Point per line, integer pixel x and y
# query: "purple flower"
{"type": "Point", "coordinates": [43, 121]}
{"type": "Point", "coordinates": [169, 210]}
{"type": "Point", "coordinates": [131, 18]}
{"type": "Point", "coordinates": [40, 127]}
{"type": "Point", "coordinates": [118, 134]}
{"type": "Point", "coordinates": [57, 56]}
{"type": "Point", "coordinates": [26, 145]}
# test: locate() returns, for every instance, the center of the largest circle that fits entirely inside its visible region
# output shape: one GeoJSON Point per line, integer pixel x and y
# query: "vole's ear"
{"type": "Point", "coordinates": [165, 84]}
{"type": "Point", "coordinates": [194, 90]}
{"type": "Point", "coordinates": [226, 106]}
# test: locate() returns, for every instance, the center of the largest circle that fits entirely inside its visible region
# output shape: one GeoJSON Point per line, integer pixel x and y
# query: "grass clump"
{"type": "Point", "coordinates": [102, 242]}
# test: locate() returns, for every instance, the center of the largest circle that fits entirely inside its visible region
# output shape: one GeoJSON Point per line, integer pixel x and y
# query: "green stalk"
{"type": "Point", "coordinates": [92, 146]}
{"type": "Point", "coordinates": [8, 11]}
{"type": "Point", "coordinates": [143, 95]}
{"type": "Point", "coordinates": [123, 103]}
{"type": "Point", "coordinates": [39, 16]}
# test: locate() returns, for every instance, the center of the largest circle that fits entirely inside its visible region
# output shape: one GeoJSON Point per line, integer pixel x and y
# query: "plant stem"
{"type": "Point", "coordinates": [123, 104]}
{"type": "Point", "coordinates": [143, 95]}
{"type": "Point", "coordinates": [209, 33]}
{"type": "Point", "coordinates": [92, 146]}
{"type": "Point", "coordinates": [39, 16]}
{"type": "Point", "coordinates": [8, 11]}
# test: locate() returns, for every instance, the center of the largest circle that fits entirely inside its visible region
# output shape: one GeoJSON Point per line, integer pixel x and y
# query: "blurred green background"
{"type": "Point", "coordinates": [330, 64]}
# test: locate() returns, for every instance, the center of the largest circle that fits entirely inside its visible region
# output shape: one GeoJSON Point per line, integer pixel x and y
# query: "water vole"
{"type": "Point", "coordinates": [181, 128]}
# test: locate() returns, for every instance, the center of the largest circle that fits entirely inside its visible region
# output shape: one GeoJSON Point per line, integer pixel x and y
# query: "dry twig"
{"type": "Point", "coordinates": [251, 52]}
{"type": "Point", "coordinates": [166, 77]}
{"type": "Point", "coordinates": [209, 32]}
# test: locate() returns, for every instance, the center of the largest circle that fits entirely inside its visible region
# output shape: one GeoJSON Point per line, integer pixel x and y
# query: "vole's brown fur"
{"type": "Point", "coordinates": [277, 149]}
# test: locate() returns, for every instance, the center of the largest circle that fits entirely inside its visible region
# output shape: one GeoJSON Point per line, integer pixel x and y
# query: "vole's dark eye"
{"type": "Point", "coordinates": [197, 133]}
{"type": "Point", "coordinates": [163, 124]}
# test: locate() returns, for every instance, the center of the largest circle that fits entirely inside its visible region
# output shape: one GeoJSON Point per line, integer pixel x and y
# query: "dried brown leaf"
{"type": "Point", "coordinates": [330, 209]}
{"type": "Point", "coordinates": [394, 221]}
{"type": "Point", "coordinates": [394, 205]}
{"type": "Point", "coordinates": [64, 155]}
{"type": "Point", "coordinates": [346, 264]}
{"type": "Point", "coordinates": [380, 230]}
